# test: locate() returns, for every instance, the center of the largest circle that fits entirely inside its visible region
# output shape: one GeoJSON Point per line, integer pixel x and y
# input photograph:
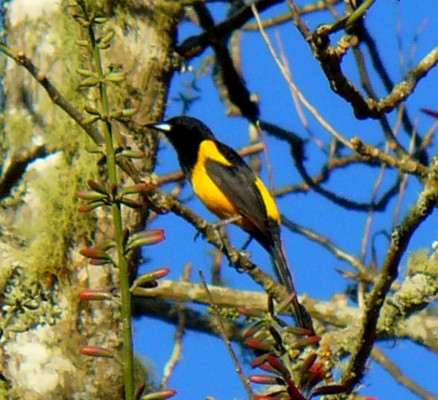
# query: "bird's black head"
{"type": "Point", "coordinates": [183, 129]}
{"type": "Point", "coordinates": [185, 134]}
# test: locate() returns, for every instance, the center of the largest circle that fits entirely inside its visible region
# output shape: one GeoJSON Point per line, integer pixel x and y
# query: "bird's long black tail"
{"type": "Point", "coordinates": [302, 317]}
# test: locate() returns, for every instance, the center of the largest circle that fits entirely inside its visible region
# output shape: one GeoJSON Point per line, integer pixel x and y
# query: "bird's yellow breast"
{"type": "Point", "coordinates": [205, 188]}
{"type": "Point", "coordinates": [214, 198]}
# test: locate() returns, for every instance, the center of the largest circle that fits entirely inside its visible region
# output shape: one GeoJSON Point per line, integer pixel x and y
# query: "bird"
{"type": "Point", "coordinates": [231, 190]}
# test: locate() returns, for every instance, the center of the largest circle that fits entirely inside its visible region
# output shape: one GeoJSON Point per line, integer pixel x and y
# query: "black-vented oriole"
{"type": "Point", "coordinates": [229, 188]}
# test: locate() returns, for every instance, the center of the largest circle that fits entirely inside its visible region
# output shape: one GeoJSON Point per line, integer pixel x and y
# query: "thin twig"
{"type": "Point", "coordinates": [377, 185]}
{"type": "Point", "coordinates": [321, 5]}
{"type": "Point", "coordinates": [332, 165]}
{"type": "Point", "coordinates": [405, 88]}
{"type": "Point", "coordinates": [298, 106]}
{"type": "Point", "coordinates": [405, 164]}
{"type": "Point", "coordinates": [297, 152]}
{"type": "Point", "coordinates": [404, 181]}
{"type": "Point", "coordinates": [294, 88]}
{"type": "Point", "coordinates": [53, 93]}
{"type": "Point", "coordinates": [367, 85]}
{"type": "Point", "coordinates": [161, 203]}
{"type": "Point", "coordinates": [176, 355]}
{"type": "Point", "coordinates": [330, 246]}
{"type": "Point", "coordinates": [399, 376]}
{"type": "Point", "coordinates": [367, 233]}
{"type": "Point", "coordinates": [223, 333]}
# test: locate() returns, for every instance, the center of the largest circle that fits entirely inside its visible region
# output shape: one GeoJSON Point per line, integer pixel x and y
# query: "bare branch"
{"type": "Point", "coordinates": [176, 355]}
{"type": "Point", "coordinates": [310, 8]}
{"type": "Point", "coordinates": [162, 203]}
{"type": "Point", "coordinates": [16, 168]}
{"type": "Point", "coordinates": [53, 93]}
{"type": "Point", "coordinates": [417, 291]}
{"type": "Point", "coordinates": [163, 310]}
{"type": "Point", "coordinates": [405, 88]}
{"type": "Point", "coordinates": [331, 58]}
{"type": "Point", "coordinates": [297, 153]}
{"type": "Point", "coordinates": [332, 165]}
{"type": "Point", "coordinates": [405, 164]}
{"type": "Point", "coordinates": [195, 45]}
{"type": "Point", "coordinates": [421, 328]}
{"type": "Point", "coordinates": [229, 80]}
{"type": "Point", "coordinates": [401, 236]}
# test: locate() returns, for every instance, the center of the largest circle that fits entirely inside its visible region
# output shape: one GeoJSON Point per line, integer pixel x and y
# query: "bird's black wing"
{"type": "Point", "coordinates": [237, 183]}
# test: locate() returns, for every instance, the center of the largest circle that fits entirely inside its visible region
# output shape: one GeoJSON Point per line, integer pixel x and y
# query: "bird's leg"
{"type": "Point", "coordinates": [214, 234]}
{"type": "Point", "coordinates": [218, 225]}
{"type": "Point", "coordinates": [247, 242]}
{"type": "Point", "coordinates": [214, 230]}
{"type": "Point", "coordinates": [226, 221]}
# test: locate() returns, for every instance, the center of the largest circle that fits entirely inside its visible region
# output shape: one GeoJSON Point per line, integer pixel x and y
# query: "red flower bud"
{"type": "Point", "coordinates": [145, 238]}
{"type": "Point", "coordinates": [268, 368]}
{"type": "Point", "coordinates": [293, 391]}
{"type": "Point", "coordinates": [91, 195]}
{"type": "Point", "coordinates": [317, 374]}
{"type": "Point", "coordinates": [259, 360]}
{"type": "Point", "coordinates": [266, 380]}
{"type": "Point", "coordinates": [91, 206]}
{"type": "Point", "coordinates": [150, 279]}
{"type": "Point", "coordinates": [95, 252]}
{"type": "Point", "coordinates": [142, 187]}
{"type": "Point", "coordinates": [307, 364]}
{"type": "Point", "coordinates": [258, 345]}
{"type": "Point", "coordinates": [94, 295]}
{"type": "Point", "coordinates": [252, 330]}
{"type": "Point", "coordinates": [161, 395]}
{"type": "Point", "coordinates": [97, 262]}
{"type": "Point", "coordinates": [97, 186]}
{"type": "Point", "coordinates": [278, 365]}
{"type": "Point", "coordinates": [96, 351]}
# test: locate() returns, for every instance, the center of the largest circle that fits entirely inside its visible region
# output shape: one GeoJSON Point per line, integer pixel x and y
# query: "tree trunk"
{"type": "Point", "coordinates": [44, 323]}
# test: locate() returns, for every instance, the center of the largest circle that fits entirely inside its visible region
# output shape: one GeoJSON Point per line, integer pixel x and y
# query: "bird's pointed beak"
{"type": "Point", "coordinates": [160, 126]}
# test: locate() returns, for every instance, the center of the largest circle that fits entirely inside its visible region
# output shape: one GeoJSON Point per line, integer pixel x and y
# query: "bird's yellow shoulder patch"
{"type": "Point", "coordinates": [268, 200]}
{"type": "Point", "coordinates": [209, 151]}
